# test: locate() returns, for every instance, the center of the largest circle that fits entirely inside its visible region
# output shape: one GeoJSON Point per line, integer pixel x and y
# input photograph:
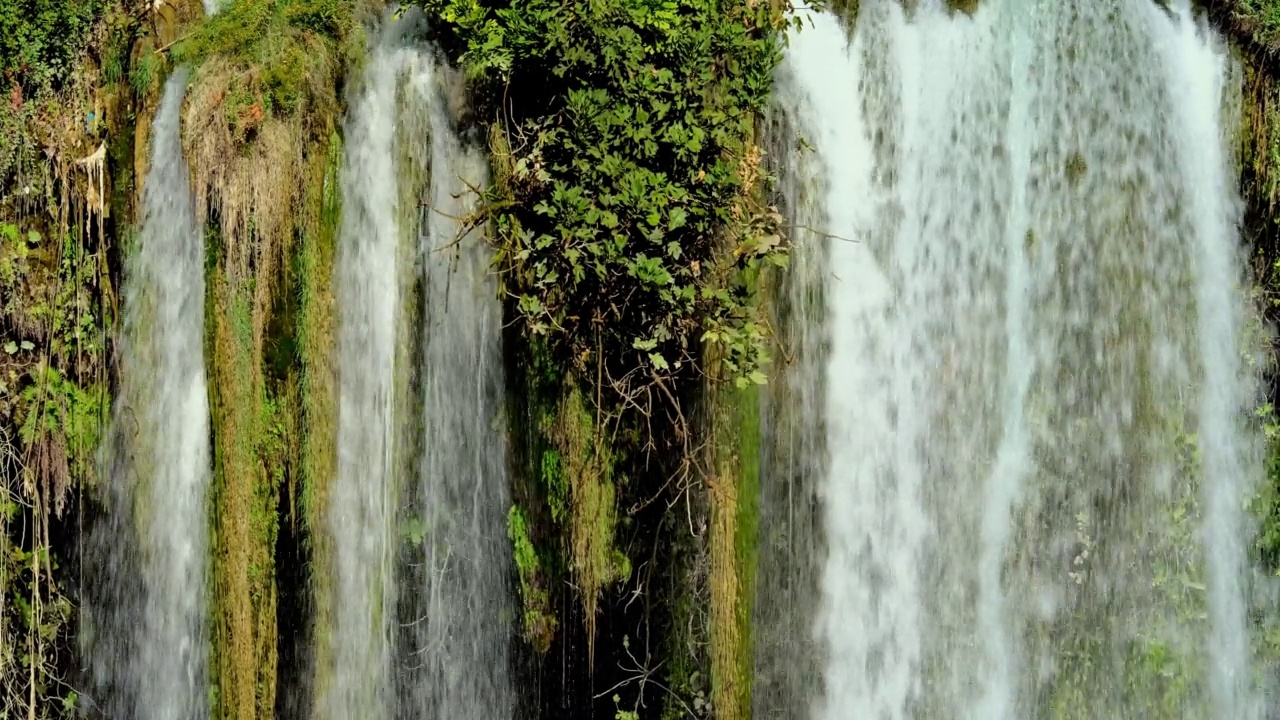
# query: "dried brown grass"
{"type": "Point", "coordinates": [248, 184]}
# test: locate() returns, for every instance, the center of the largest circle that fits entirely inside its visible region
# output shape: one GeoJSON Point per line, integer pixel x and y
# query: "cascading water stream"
{"type": "Point", "coordinates": [1033, 451]}
{"type": "Point", "coordinates": [421, 461]}
{"type": "Point", "coordinates": [152, 637]}
{"type": "Point", "coordinates": [368, 300]}
{"type": "Point", "coordinates": [459, 639]}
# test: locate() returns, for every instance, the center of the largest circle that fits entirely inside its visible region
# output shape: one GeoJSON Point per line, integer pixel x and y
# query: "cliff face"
{"type": "Point", "coordinates": [634, 423]}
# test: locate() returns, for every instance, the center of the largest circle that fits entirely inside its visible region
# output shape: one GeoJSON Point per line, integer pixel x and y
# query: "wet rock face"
{"type": "Point", "coordinates": [169, 17]}
{"type": "Point", "coordinates": [453, 85]}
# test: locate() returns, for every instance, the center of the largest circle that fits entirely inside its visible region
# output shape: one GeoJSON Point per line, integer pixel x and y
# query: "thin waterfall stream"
{"type": "Point", "coordinates": [151, 620]}
{"type": "Point", "coordinates": [1020, 226]}
{"type": "Point", "coordinates": [368, 293]}
{"type": "Point", "coordinates": [421, 456]}
{"type": "Point", "coordinates": [458, 593]}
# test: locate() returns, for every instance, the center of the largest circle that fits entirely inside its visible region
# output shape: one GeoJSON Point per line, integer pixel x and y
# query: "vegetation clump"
{"type": "Point", "coordinates": [587, 466]}
{"type": "Point", "coordinates": [539, 619]}
{"type": "Point", "coordinates": [623, 153]}
{"type": "Point", "coordinates": [41, 45]}
{"type": "Point", "coordinates": [1258, 18]}
{"type": "Point", "coordinates": [281, 59]}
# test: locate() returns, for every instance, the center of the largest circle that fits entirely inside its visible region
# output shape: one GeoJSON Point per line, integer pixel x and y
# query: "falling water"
{"type": "Point", "coordinates": [421, 459]}
{"type": "Point", "coordinates": [458, 654]}
{"type": "Point", "coordinates": [368, 305]}
{"type": "Point", "coordinates": [152, 636]}
{"type": "Point", "coordinates": [1022, 227]}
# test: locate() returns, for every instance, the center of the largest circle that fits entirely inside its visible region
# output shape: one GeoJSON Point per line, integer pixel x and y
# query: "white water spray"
{"type": "Point", "coordinates": [158, 457]}
{"type": "Point", "coordinates": [419, 504]}
{"type": "Point", "coordinates": [1033, 314]}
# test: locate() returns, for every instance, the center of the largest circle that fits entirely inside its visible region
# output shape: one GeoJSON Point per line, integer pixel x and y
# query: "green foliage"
{"type": "Point", "coordinates": [15, 246]}
{"type": "Point", "coordinates": [143, 74]}
{"type": "Point", "coordinates": [52, 409]}
{"type": "Point", "coordinates": [539, 620]}
{"type": "Point", "coordinates": [1261, 17]}
{"type": "Point", "coordinates": [623, 202]}
{"type": "Point", "coordinates": [56, 289]}
{"type": "Point", "coordinates": [32, 620]}
{"type": "Point", "coordinates": [41, 40]}
{"type": "Point", "coordinates": [247, 29]}
{"type": "Point", "coordinates": [56, 407]}
{"type": "Point", "coordinates": [620, 714]}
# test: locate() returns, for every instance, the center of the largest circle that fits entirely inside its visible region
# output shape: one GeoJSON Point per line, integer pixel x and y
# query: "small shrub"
{"type": "Point", "coordinates": [41, 40]}
{"type": "Point", "coordinates": [624, 206]}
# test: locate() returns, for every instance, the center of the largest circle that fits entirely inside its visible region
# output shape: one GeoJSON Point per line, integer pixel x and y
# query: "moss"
{"type": "Point", "coordinates": [244, 502]}
{"type": "Point", "coordinates": [315, 337]}
{"type": "Point", "coordinates": [746, 420]}
{"type": "Point", "coordinates": [589, 469]}
{"type": "Point", "coordinates": [555, 484]}
{"type": "Point", "coordinates": [315, 333]}
{"type": "Point", "coordinates": [732, 488]}
{"type": "Point", "coordinates": [538, 618]}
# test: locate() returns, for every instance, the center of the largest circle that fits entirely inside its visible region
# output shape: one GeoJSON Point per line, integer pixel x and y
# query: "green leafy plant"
{"type": "Point", "coordinates": [625, 202]}
{"type": "Point", "coordinates": [40, 40]}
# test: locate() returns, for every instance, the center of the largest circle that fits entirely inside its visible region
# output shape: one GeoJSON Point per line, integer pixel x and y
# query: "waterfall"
{"type": "Point", "coordinates": [1033, 455]}
{"type": "Point", "coordinates": [421, 460]}
{"type": "Point", "coordinates": [368, 295]}
{"type": "Point", "coordinates": [152, 639]}
{"type": "Point", "coordinates": [458, 651]}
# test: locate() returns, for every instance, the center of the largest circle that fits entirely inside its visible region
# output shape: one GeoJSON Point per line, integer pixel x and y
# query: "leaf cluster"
{"type": "Point", "coordinates": [43, 44]}
{"type": "Point", "coordinates": [41, 40]}
{"type": "Point", "coordinates": [626, 176]}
